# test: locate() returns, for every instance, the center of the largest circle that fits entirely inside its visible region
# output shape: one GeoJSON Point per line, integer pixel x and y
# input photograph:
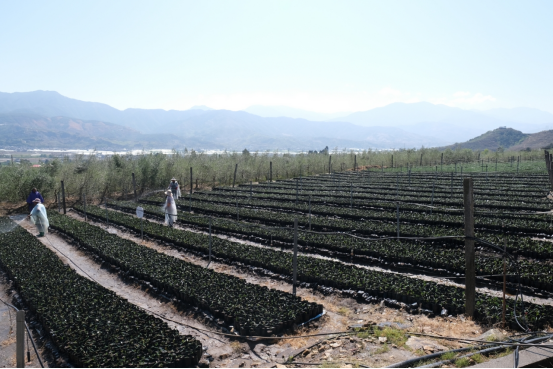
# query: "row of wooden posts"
{"type": "Point", "coordinates": [470, 274]}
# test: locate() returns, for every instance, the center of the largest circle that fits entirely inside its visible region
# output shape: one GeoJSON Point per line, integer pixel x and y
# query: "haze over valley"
{"type": "Point", "coordinates": [46, 119]}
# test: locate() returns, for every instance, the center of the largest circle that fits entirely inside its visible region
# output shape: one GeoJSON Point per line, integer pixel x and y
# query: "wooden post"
{"type": "Point", "coordinates": [296, 191]}
{"type": "Point", "coordinates": [12, 159]}
{"type": "Point", "coordinates": [251, 190]}
{"type": "Point", "coordinates": [442, 163]}
{"type": "Point", "coordinates": [209, 241]}
{"type": "Point", "coordinates": [397, 213]}
{"type": "Point", "coordinates": [85, 218]}
{"type": "Point", "coordinates": [63, 197]}
{"type": "Point", "coordinates": [504, 280]}
{"type": "Point", "coordinates": [295, 260]}
{"type": "Point", "coordinates": [134, 186]}
{"type": "Point", "coordinates": [351, 195]}
{"type": "Point", "coordinates": [470, 271]}
{"type": "Point", "coordinates": [329, 163]}
{"type": "Point", "coordinates": [392, 161]}
{"type": "Point", "coordinates": [270, 171]}
{"type": "Point", "coordinates": [20, 339]}
{"type": "Point", "coordinates": [309, 212]}
{"type": "Point", "coordinates": [191, 181]}
{"type": "Point", "coordinates": [549, 164]}
{"type": "Point", "coordinates": [235, 170]}
{"type": "Point", "coordinates": [355, 163]}
{"type": "Point", "coordinates": [432, 201]}
{"type": "Point", "coordinates": [420, 165]}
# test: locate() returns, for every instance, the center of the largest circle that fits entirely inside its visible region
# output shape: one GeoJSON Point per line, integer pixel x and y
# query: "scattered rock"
{"type": "Point", "coordinates": [417, 343]}
{"type": "Point", "coordinates": [382, 339]}
{"type": "Point", "coordinates": [281, 366]}
{"type": "Point", "coordinates": [492, 335]}
{"type": "Point", "coordinates": [336, 344]}
{"type": "Point", "coordinates": [428, 348]}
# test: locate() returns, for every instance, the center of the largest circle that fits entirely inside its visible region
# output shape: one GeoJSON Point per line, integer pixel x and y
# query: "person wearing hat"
{"type": "Point", "coordinates": [170, 209]}
{"type": "Point", "coordinates": [39, 217]}
{"type": "Point", "coordinates": [174, 187]}
{"type": "Point", "coordinates": [32, 197]}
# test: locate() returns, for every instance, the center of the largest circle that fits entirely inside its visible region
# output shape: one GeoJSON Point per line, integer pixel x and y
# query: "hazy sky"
{"type": "Point", "coordinates": [314, 55]}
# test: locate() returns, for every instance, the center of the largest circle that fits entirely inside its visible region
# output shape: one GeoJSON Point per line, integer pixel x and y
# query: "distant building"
{"type": "Point", "coordinates": [37, 166]}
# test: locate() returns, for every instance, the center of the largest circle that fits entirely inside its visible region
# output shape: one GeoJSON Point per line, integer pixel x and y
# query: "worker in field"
{"type": "Point", "coordinates": [32, 197]}
{"type": "Point", "coordinates": [170, 209]}
{"type": "Point", "coordinates": [174, 187]}
{"type": "Point", "coordinates": [39, 217]}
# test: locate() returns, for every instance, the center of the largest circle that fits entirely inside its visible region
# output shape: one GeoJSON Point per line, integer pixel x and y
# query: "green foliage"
{"type": "Point", "coordinates": [92, 325]}
{"type": "Point", "coordinates": [250, 308]}
{"type": "Point", "coordinates": [448, 356]}
{"type": "Point", "coordinates": [394, 336]}
{"type": "Point", "coordinates": [462, 363]}
{"type": "Point", "coordinates": [111, 176]}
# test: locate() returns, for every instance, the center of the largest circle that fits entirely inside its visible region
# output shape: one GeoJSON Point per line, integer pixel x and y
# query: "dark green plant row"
{"type": "Point", "coordinates": [390, 195]}
{"type": "Point", "coordinates": [403, 188]}
{"type": "Point", "coordinates": [371, 285]}
{"type": "Point", "coordinates": [507, 179]}
{"type": "Point", "coordinates": [346, 202]}
{"type": "Point", "coordinates": [91, 324]}
{"type": "Point", "coordinates": [422, 254]}
{"type": "Point", "coordinates": [252, 309]}
{"type": "Point", "coordinates": [518, 224]}
{"type": "Point", "coordinates": [526, 245]}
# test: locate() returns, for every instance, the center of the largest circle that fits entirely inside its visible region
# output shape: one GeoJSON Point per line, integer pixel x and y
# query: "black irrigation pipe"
{"type": "Point", "coordinates": [484, 242]}
{"type": "Point", "coordinates": [28, 334]}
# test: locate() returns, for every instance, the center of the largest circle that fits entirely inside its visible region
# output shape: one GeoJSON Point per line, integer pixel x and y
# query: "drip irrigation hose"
{"type": "Point", "coordinates": [485, 351]}
{"type": "Point", "coordinates": [251, 338]}
{"type": "Point", "coordinates": [484, 242]}
{"type": "Point", "coordinates": [519, 288]}
{"type": "Point", "coordinates": [28, 336]}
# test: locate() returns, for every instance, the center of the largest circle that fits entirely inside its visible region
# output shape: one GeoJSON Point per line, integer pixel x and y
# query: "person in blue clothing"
{"type": "Point", "coordinates": [32, 197]}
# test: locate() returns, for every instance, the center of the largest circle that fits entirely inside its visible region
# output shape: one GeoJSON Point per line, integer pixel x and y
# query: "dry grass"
{"type": "Point", "coordinates": [8, 342]}
{"type": "Point", "coordinates": [236, 346]}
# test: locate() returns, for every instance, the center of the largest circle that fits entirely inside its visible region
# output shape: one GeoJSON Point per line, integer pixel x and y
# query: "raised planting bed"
{"type": "Point", "coordinates": [86, 321]}
{"type": "Point", "coordinates": [448, 257]}
{"type": "Point", "coordinates": [368, 228]}
{"type": "Point", "coordinates": [365, 284]}
{"type": "Point", "coordinates": [251, 309]}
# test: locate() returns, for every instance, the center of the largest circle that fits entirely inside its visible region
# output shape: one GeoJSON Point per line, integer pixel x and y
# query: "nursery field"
{"type": "Point", "coordinates": [404, 222]}
{"type": "Point", "coordinates": [392, 239]}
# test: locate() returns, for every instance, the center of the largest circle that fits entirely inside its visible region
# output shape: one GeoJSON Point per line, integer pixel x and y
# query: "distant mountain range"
{"type": "Point", "coordinates": [284, 111]}
{"type": "Point", "coordinates": [508, 139]}
{"type": "Point", "coordinates": [450, 124]}
{"type": "Point", "coordinates": [48, 119]}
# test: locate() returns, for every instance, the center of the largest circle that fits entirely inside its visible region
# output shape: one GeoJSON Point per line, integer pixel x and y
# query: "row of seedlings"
{"type": "Point", "coordinates": [251, 309]}
{"type": "Point", "coordinates": [396, 290]}
{"type": "Point", "coordinates": [89, 323]}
